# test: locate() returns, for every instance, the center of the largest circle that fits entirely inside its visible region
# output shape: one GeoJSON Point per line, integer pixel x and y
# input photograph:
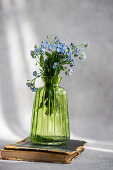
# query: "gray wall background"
{"type": "Point", "coordinates": [90, 89]}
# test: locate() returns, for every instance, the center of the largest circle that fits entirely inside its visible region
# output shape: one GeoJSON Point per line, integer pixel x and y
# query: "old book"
{"type": "Point", "coordinates": [28, 151]}
{"type": "Point", "coordinates": [1, 148]}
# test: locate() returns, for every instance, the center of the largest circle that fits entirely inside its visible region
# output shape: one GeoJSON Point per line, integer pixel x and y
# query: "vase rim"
{"type": "Point", "coordinates": [51, 80]}
{"type": "Point", "coordinates": [52, 76]}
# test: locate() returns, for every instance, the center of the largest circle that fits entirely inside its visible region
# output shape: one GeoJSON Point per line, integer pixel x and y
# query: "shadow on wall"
{"type": "Point", "coordinates": [11, 47]}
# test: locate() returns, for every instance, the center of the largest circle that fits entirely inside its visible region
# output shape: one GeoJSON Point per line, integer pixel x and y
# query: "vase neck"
{"type": "Point", "coordinates": [51, 81]}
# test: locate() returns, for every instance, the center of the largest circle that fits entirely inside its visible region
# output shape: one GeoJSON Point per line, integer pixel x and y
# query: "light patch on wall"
{"type": "Point", "coordinates": [20, 3]}
{"type": "Point", "coordinates": [5, 132]}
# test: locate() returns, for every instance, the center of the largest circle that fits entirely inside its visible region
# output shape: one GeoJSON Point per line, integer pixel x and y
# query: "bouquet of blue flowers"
{"type": "Point", "coordinates": [54, 57]}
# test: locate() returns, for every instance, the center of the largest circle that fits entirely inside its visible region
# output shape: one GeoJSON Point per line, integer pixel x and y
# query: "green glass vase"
{"type": "Point", "coordinates": [50, 121]}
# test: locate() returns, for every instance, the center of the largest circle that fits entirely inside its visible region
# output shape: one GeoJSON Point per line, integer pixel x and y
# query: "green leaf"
{"type": "Point", "coordinates": [48, 54]}
{"type": "Point", "coordinates": [41, 60]}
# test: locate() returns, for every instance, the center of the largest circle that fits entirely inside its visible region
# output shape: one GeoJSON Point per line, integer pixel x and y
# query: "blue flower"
{"type": "Point", "coordinates": [50, 47]}
{"type": "Point", "coordinates": [59, 41]}
{"type": "Point", "coordinates": [31, 52]}
{"type": "Point", "coordinates": [31, 85]}
{"type": "Point", "coordinates": [43, 46]}
{"type": "Point", "coordinates": [58, 49]}
{"type": "Point", "coordinates": [36, 50]}
{"type": "Point", "coordinates": [55, 65]}
{"type": "Point", "coordinates": [34, 89]}
{"type": "Point", "coordinates": [63, 45]}
{"type": "Point", "coordinates": [54, 47]}
{"type": "Point", "coordinates": [28, 84]}
{"type": "Point", "coordinates": [72, 43]}
{"type": "Point", "coordinates": [70, 54]}
{"type": "Point", "coordinates": [42, 51]}
{"type": "Point", "coordinates": [35, 73]}
{"type": "Point", "coordinates": [65, 49]}
{"type": "Point", "coordinates": [73, 63]}
{"type": "Point", "coordinates": [77, 52]}
{"type": "Point", "coordinates": [47, 44]}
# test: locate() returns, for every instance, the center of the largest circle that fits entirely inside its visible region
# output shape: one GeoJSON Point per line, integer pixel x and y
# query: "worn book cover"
{"type": "Point", "coordinates": [28, 151]}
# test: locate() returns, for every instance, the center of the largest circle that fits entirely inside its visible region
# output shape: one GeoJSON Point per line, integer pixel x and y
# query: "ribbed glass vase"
{"type": "Point", "coordinates": [50, 121]}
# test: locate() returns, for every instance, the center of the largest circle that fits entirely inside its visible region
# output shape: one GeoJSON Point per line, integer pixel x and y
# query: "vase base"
{"type": "Point", "coordinates": [47, 142]}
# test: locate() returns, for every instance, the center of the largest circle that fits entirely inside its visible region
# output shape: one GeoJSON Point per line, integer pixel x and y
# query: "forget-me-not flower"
{"type": "Point", "coordinates": [55, 65]}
